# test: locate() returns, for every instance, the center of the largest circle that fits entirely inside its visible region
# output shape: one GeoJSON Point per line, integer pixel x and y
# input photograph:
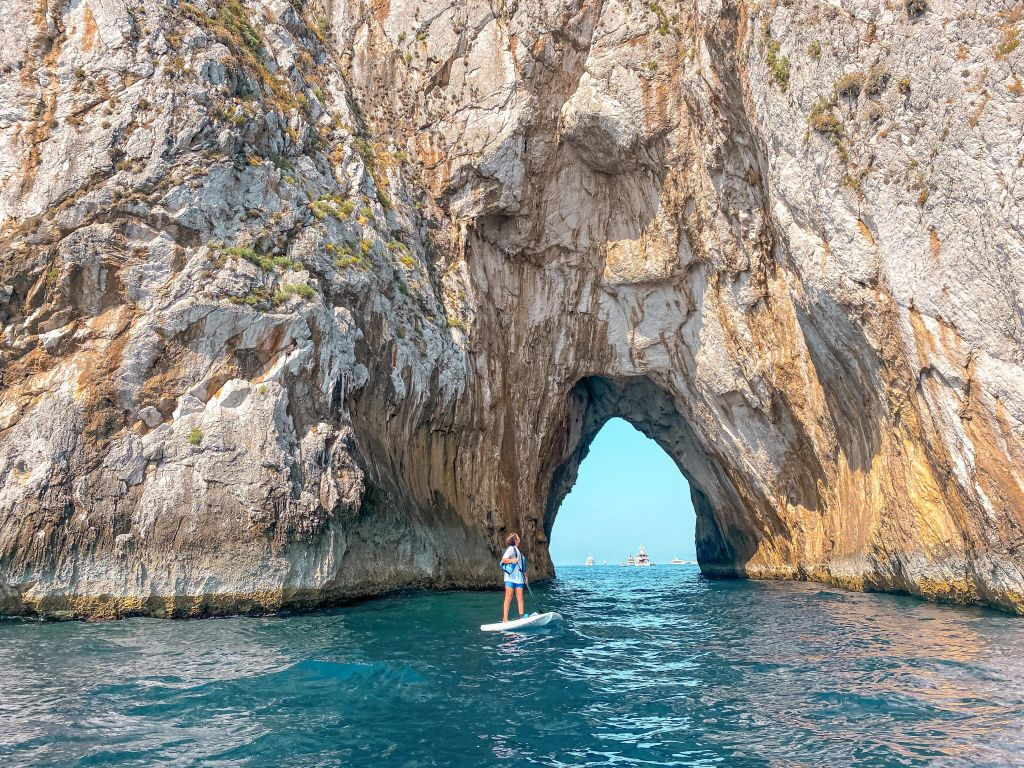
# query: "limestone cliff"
{"type": "Point", "coordinates": [304, 301]}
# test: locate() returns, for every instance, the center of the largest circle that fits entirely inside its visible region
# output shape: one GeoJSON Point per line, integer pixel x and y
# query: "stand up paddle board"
{"type": "Point", "coordinates": [533, 620]}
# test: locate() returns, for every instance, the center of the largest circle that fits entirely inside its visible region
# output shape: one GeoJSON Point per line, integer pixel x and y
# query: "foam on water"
{"type": "Point", "coordinates": [650, 667]}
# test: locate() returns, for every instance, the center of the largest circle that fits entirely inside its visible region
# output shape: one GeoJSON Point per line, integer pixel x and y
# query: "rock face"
{"type": "Point", "coordinates": [305, 301]}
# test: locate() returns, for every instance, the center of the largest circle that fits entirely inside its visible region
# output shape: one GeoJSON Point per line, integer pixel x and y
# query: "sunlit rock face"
{"type": "Point", "coordinates": [307, 302]}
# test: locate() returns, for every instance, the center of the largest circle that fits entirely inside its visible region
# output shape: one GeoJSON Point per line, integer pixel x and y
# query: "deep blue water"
{"type": "Point", "coordinates": [651, 667]}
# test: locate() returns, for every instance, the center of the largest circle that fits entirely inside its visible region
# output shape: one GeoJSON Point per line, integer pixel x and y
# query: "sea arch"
{"type": "Point", "coordinates": [727, 537]}
{"type": "Point", "coordinates": [628, 493]}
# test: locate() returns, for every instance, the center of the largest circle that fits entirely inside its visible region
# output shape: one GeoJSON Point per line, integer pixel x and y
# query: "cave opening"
{"type": "Point", "coordinates": [629, 497]}
{"type": "Point", "coordinates": [726, 535]}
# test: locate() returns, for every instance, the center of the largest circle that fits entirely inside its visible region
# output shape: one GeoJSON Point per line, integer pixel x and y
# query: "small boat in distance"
{"type": "Point", "coordinates": [676, 561]}
{"type": "Point", "coordinates": [590, 560]}
{"type": "Point", "coordinates": [642, 560]}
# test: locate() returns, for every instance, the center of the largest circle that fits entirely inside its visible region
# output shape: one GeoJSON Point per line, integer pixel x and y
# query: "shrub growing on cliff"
{"type": "Point", "coordinates": [263, 262]}
{"type": "Point", "coordinates": [234, 18]}
{"type": "Point", "coordinates": [1009, 43]}
{"type": "Point", "coordinates": [849, 85]}
{"type": "Point", "coordinates": [823, 121]}
{"type": "Point", "coordinates": [331, 205]}
{"type": "Point", "coordinates": [778, 64]}
{"type": "Point", "coordinates": [281, 295]}
{"type": "Point", "coordinates": [658, 11]}
{"type": "Point", "coordinates": [349, 259]}
{"type": "Point", "coordinates": [828, 125]}
{"type": "Point", "coordinates": [195, 436]}
{"type": "Point", "coordinates": [401, 252]}
{"type": "Point", "coordinates": [814, 50]}
{"type": "Point", "coordinates": [365, 151]}
{"type": "Point", "coordinates": [877, 80]}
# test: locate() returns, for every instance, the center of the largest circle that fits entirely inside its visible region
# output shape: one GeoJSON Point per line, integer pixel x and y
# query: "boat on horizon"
{"type": "Point", "coordinates": [642, 560]}
{"type": "Point", "coordinates": [589, 560]}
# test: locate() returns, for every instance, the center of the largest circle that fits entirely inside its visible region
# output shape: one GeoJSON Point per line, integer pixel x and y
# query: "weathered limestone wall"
{"type": "Point", "coordinates": [306, 302]}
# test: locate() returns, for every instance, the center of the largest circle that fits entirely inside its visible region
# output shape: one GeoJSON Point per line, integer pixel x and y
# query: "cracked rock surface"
{"type": "Point", "coordinates": [307, 301]}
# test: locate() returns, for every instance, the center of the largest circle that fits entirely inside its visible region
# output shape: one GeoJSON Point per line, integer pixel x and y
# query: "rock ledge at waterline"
{"type": "Point", "coordinates": [306, 301]}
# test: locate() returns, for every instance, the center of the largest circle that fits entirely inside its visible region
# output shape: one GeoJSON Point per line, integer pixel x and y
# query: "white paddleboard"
{"type": "Point", "coordinates": [533, 620]}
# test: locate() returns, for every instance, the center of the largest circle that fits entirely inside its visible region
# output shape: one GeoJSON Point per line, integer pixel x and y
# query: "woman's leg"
{"type": "Point", "coordinates": [519, 599]}
{"type": "Point", "coordinates": [508, 601]}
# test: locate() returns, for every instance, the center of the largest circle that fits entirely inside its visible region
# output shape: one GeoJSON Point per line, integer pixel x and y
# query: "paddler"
{"type": "Point", "coordinates": [513, 566]}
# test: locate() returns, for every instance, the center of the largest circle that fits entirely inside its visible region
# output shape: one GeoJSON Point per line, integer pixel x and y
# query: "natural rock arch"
{"type": "Point", "coordinates": [724, 543]}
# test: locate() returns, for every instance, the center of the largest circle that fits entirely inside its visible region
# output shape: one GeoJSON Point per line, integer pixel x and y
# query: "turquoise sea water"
{"type": "Point", "coordinates": [651, 667]}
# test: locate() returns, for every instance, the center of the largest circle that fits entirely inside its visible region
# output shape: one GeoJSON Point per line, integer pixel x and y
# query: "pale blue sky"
{"type": "Point", "coordinates": [628, 492]}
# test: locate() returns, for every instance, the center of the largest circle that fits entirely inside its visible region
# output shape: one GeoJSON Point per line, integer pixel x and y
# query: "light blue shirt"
{"type": "Point", "coordinates": [516, 577]}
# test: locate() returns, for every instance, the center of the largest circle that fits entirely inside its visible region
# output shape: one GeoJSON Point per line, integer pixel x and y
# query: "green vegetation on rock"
{"type": "Point", "coordinates": [877, 80]}
{"type": "Point", "coordinates": [778, 64]}
{"type": "Point", "coordinates": [823, 121]}
{"type": "Point", "coordinates": [850, 84]}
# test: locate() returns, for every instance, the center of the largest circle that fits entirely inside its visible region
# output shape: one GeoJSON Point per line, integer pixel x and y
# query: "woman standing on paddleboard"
{"type": "Point", "coordinates": [513, 565]}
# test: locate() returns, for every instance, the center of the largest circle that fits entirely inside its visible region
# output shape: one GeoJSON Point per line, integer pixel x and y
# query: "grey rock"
{"type": "Point", "coordinates": [150, 416]}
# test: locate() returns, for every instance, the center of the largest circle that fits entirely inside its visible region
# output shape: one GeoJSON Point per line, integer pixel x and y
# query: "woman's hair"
{"type": "Point", "coordinates": [512, 539]}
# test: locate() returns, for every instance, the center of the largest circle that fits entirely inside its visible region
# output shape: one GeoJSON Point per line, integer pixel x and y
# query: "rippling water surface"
{"type": "Point", "coordinates": [651, 667]}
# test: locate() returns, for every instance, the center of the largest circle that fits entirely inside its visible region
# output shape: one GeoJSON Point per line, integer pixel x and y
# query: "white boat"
{"type": "Point", "coordinates": [590, 560]}
{"type": "Point", "coordinates": [642, 560]}
{"type": "Point", "coordinates": [676, 561]}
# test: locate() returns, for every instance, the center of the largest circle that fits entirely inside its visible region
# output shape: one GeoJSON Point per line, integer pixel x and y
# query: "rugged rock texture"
{"type": "Point", "coordinates": [303, 302]}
